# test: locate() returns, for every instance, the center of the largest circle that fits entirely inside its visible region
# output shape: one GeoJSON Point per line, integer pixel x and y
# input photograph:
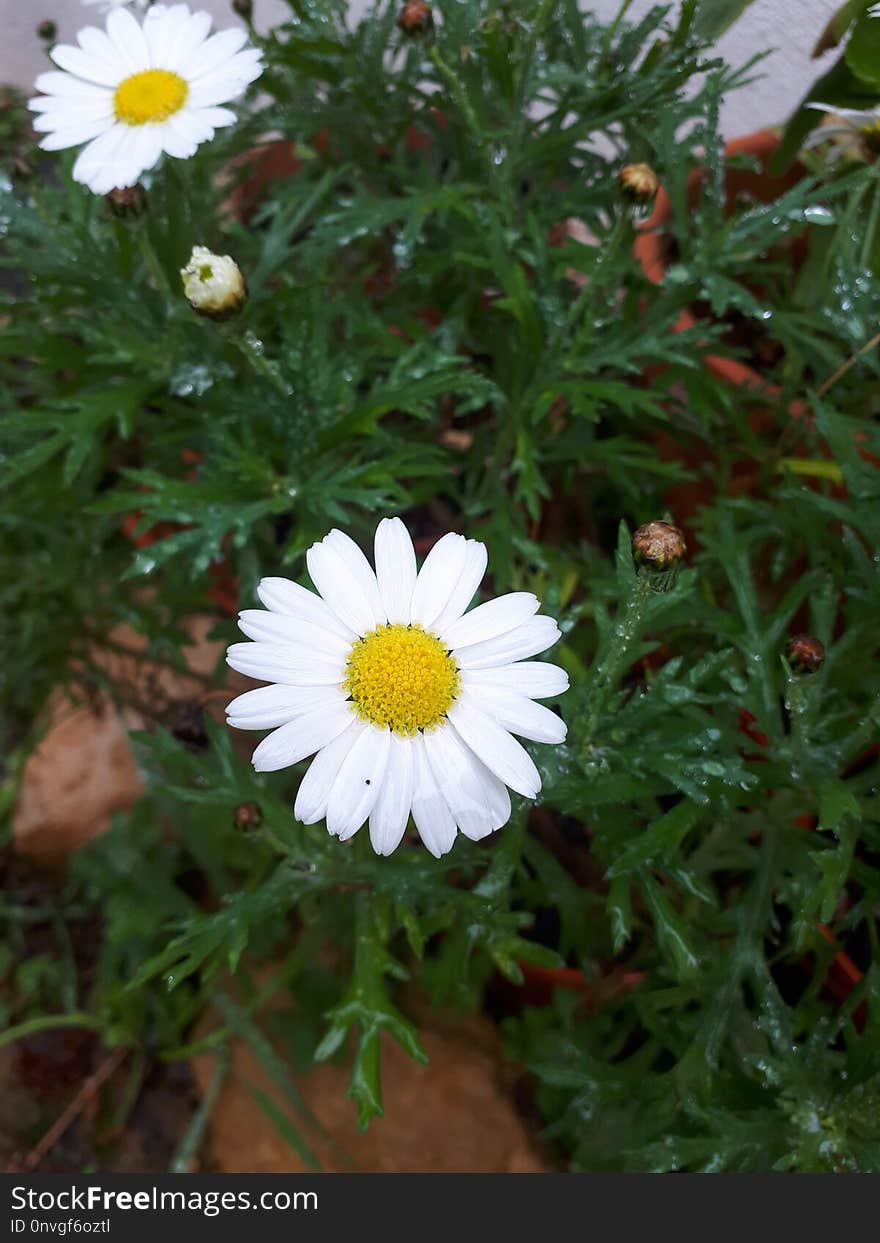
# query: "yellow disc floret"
{"type": "Point", "coordinates": [871, 137]}
{"type": "Point", "coordinates": [152, 95]}
{"type": "Point", "coordinates": [401, 677]}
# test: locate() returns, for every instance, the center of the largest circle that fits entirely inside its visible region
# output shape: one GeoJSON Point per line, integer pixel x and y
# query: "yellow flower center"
{"type": "Point", "coordinates": [152, 95]}
{"type": "Point", "coordinates": [402, 677]}
{"type": "Point", "coordinates": [871, 137]}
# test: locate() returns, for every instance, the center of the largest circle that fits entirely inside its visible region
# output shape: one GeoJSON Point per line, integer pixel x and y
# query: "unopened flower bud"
{"type": "Point", "coordinates": [213, 284]}
{"type": "Point", "coordinates": [804, 654]}
{"type": "Point", "coordinates": [416, 18]}
{"type": "Point", "coordinates": [47, 30]}
{"type": "Point", "coordinates": [247, 816]}
{"type": "Point", "coordinates": [128, 202]}
{"type": "Point", "coordinates": [658, 546]}
{"type": "Point", "coordinates": [639, 182]}
{"type": "Point", "coordinates": [244, 8]}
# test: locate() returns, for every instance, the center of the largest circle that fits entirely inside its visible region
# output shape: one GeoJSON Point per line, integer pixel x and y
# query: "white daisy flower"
{"type": "Point", "coordinates": [104, 6]}
{"type": "Point", "coordinates": [849, 128]}
{"type": "Point", "coordinates": [410, 703]}
{"type": "Point", "coordinates": [138, 89]}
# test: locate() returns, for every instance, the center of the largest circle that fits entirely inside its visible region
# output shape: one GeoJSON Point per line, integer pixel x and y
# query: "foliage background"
{"type": "Point", "coordinates": [424, 337]}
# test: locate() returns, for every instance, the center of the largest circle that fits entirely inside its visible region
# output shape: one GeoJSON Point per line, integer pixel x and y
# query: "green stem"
{"type": "Point", "coordinates": [246, 344]}
{"type": "Point", "coordinates": [798, 695]}
{"type": "Point", "coordinates": [191, 1141]}
{"type": "Point", "coordinates": [123, 241]}
{"type": "Point", "coordinates": [541, 19]}
{"type": "Point", "coordinates": [616, 659]}
{"type": "Point", "coordinates": [459, 94]}
{"type": "Point", "coordinates": [745, 951]}
{"type": "Point", "coordinates": [367, 976]}
{"type": "Point", "coordinates": [153, 264]}
{"type": "Point", "coordinates": [302, 953]}
{"type": "Point", "coordinates": [850, 362]}
{"type": "Point", "coordinates": [583, 305]}
{"type": "Point", "coordinates": [46, 1023]}
{"type": "Point", "coordinates": [614, 26]}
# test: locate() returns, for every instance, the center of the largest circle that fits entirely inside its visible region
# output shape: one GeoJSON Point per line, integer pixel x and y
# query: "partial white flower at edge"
{"type": "Point", "coordinates": [138, 89]}
{"type": "Point", "coordinates": [410, 702]}
{"type": "Point", "coordinates": [848, 127]}
{"type": "Point", "coordinates": [104, 6]}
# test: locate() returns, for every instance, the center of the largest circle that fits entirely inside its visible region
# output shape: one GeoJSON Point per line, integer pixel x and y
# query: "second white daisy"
{"type": "Point", "coordinates": [410, 703]}
{"type": "Point", "coordinates": [136, 90]}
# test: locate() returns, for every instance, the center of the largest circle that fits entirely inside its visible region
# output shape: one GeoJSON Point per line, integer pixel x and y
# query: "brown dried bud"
{"type": "Point", "coordinates": [244, 8]}
{"type": "Point", "coordinates": [416, 18]}
{"type": "Point", "coordinates": [804, 654]}
{"type": "Point", "coordinates": [658, 546]}
{"type": "Point", "coordinates": [128, 203]}
{"type": "Point", "coordinates": [639, 182]}
{"type": "Point", "coordinates": [247, 816]}
{"type": "Point", "coordinates": [187, 725]}
{"type": "Point", "coordinates": [47, 30]}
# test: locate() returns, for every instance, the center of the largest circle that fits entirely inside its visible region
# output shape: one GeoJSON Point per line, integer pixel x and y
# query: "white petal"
{"type": "Point", "coordinates": [272, 663]}
{"type": "Point", "coordinates": [214, 51]}
{"type": "Point", "coordinates": [208, 96]}
{"type": "Point", "coordinates": [65, 86]}
{"type": "Point", "coordinates": [532, 637]}
{"type": "Point", "coordinates": [190, 124]}
{"type": "Point", "coordinates": [476, 559]}
{"type": "Point", "coordinates": [100, 163]}
{"type": "Point", "coordinates": [229, 80]}
{"type": "Point", "coordinates": [176, 138]}
{"type": "Point", "coordinates": [143, 148]}
{"type": "Point", "coordinates": [127, 37]}
{"type": "Point", "coordinates": [430, 811]}
{"type": "Point", "coordinates": [522, 716]}
{"type": "Point", "coordinates": [478, 801]}
{"type": "Point", "coordinates": [395, 568]}
{"type": "Point", "coordinates": [61, 137]}
{"type": "Point", "coordinates": [160, 30]}
{"type": "Point", "coordinates": [315, 787]}
{"type": "Point", "coordinates": [66, 111]}
{"type": "Point", "coordinates": [190, 31]}
{"type": "Point", "coordinates": [358, 782]}
{"type": "Point", "coordinates": [498, 749]}
{"type": "Point", "coordinates": [216, 118]}
{"type": "Point", "coordinates": [390, 814]}
{"type": "Point", "coordinates": [270, 706]}
{"type": "Point", "coordinates": [78, 62]}
{"type": "Point", "coordinates": [337, 585]}
{"type": "Point", "coordinates": [96, 44]}
{"type": "Point", "coordinates": [491, 619]}
{"type": "Point", "coordinates": [536, 678]}
{"type": "Point", "coordinates": [306, 734]}
{"type": "Point", "coordinates": [856, 116]}
{"type": "Point", "coordinates": [244, 67]}
{"type": "Point", "coordinates": [437, 578]}
{"type": "Point", "coordinates": [283, 596]}
{"type": "Point", "coordinates": [360, 570]}
{"type": "Point", "coordinates": [276, 628]}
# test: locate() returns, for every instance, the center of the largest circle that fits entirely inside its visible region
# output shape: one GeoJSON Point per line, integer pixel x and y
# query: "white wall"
{"type": "Point", "coordinates": [791, 27]}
